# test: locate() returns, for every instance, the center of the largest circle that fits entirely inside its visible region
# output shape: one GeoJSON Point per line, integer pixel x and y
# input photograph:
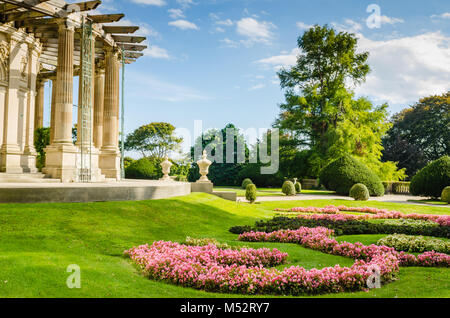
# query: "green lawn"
{"type": "Point", "coordinates": [39, 241]}
{"type": "Point", "coordinates": [267, 192]}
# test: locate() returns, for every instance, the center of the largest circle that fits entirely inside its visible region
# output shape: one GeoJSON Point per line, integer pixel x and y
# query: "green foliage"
{"type": "Point", "coordinates": [298, 187]}
{"type": "Point", "coordinates": [349, 227]}
{"type": "Point", "coordinates": [41, 140]}
{"type": "Point", "coordinates": [445, 195]}
{"type": "Point", "coordinates": [419, 134]}
{"type": "Point", "coordinates": [341, 174]}
{"type": "Point", "coordinates": [205, 241]}
{"type": "Point", "coordinates": [246, 182]}
{"type": "Point", "coordinates": [288, 188]}
{"type": "Point", "coordinates": [325, 118]}
{"type": "Point", "coordinates": [432, 179]}
{"type": "Point", "coordinates": [153, 140]}
{"type": "Point", "coordinates": [215, 142]}
{"type": "Point", "coordinates": [250, 192]}
{"type": "Point", "coordinates": [145, 168]}
{"type": "Point", "coordinates": [415, 244]}
{"type": "Point", "coordinates": [127, 161]}
{"type": "Point", "coordinates": [253, 171]}
{"type": "Point", "coordinates": [359, 192]}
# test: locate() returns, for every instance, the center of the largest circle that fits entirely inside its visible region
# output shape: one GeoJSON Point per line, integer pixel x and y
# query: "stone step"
{"type": "Point", "coordinates": [26, 178]}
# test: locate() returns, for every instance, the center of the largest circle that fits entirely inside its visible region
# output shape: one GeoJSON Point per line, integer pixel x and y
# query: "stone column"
{"type": "Point", "coordinates": [39, 104]}
{"type": "Point", "coordinates": [61, 154]}
{"type": "Point", "coordinates": [110, 154]}
{"type": "Point", "coordinates": [29, 154]}
{"type": "Point", "coordinates": [10, 152]}
{"type": "Point", "coordinates": [99, 95]}
{"type": "Point", "coordinates": [88, 153]}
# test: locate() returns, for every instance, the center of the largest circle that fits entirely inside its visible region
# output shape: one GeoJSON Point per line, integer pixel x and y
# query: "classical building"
{"type": "Point", "coordinates": [54, 41]}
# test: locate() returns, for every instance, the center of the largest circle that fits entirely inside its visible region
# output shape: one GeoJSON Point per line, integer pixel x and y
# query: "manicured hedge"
{"type": "Point", "coordinates": [250, 193]}
{"type": "Point", "coordinates": [246, 182]}
{"type": "Point", "coordinates": [415, 244]}
{"type": "Point", "coordinates": [445, 195]}
{"type": "Point", "coordinates": [349, 227]}
{"type": "Point", "coordinates": [143, 169]}
{"type": "Point", "coordinates": [359, 192]}
{"type": "Point", "coordinates": [288, 188]}
{"type": "Point", "coordinates": [432, 179]}
{"type": "Point", "coordinates": [341, 174]}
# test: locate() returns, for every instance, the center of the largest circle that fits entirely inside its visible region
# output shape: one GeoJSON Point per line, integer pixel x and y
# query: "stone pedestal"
{"type": "Point", "coordinates": [206, 187]}
{"type": "Point", "coordinates": [60, 162]}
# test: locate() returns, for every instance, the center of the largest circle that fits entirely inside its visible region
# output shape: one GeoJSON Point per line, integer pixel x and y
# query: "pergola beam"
{"type": "Point", "coordinates": [131, 47]}
{"type": "Point", "coordinates": [122, 29]}
{"type": "Point", "coordinates": [38, 6]}
{"type": "Point", "coordinates": [128, 38]}
{"type": "Point", "coordinates": [84, 6]}
{"type": "Point", "coordinates": [106, 18]}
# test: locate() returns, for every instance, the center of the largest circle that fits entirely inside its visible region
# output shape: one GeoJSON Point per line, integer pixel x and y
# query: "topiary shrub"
{"type": "Point", "coordinates": [298, 187]}
{"type": "Point", "coordinates": [359, 192]}
{"type": "Point", "coordinates": [288, 188]}
{"type": "Point", "coordinates": [250, 193]}
{"type": "Point", "coordinates": [246, 182]}
{"type": "Point", "coordinates": [445, 195]}
{"type": "Point", "coordinates": [432, 179]}
{"type": "Point", "coordinates": [341, 174]}
{"type": "Point", "coordinates": [143, 169]}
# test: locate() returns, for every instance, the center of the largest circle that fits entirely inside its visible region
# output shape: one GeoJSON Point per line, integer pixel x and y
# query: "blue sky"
{"type": "Point", "coordinates": [216, 60]}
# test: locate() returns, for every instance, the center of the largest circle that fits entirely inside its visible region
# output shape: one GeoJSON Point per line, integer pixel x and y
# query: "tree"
{"type": "Point", "coordinates": [419, 134]}
{"type": "Point", "coordinates": [153, 140]}
{"type": "Point", "coordinates": [215, 141]}
{"type": "Point", "coordinates": [320, 110]}
{"type": "Point", "coordinates": [41, 140]}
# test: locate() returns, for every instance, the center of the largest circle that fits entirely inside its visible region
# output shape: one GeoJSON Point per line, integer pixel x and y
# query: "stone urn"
{"type": "Point", "coordinates": [165, 165]}
{"type": "Point", "coordinates": [203, 166]}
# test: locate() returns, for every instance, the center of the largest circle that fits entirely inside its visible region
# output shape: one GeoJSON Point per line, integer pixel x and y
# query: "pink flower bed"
{"type": "Point", "coordinates": [373, 213]}
{"type": "Point", "coordinates": [243, 271]}
{"type": "Point", "coordinates": [318, 239]}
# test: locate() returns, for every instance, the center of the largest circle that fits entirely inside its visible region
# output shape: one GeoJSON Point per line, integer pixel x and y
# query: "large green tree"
{"type": "Point", "coordinates": [320, 110]}
{"type": "Point", "coordinates": [153, 140]}
{"type": "Point", "coordinates": [419, 134]}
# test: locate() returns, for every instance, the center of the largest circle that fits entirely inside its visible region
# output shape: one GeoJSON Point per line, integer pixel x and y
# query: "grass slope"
{"type": "Point", "coordinates": [39, 241]}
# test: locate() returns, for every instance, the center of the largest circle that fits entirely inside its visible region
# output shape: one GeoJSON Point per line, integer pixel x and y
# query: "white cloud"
{"type": "Point", "coordinates": [445, 15]}
{"type": "Point", "coordinates": [158, 3]}
{"type": "Point", "coordinates": [229, 43]}
{"type": "Point", "coordinates": [303, 26]}
{"type": "Point", "coordinates": [282, 60]}
{"type": "Point", "coordinates": [256, 87]}
{"type": "Point", "coordinates": [186, 3]}
{"type": "Point", "coordinates": [175, 13]}
{"type": "Point", "coordinates": [390, 20]}
{"type": "Point", "coordinates": [402, 69]}
{"type": "Point", "coordinates": [156, 52]}
{"type": "Point", "coordinates": [405, 69]}
{"type": "Point", "coordinates": [226, 22]}
{"type": "Point", "coordinates": [184, 25]}
{"type": "Point", "coordinates": [255, 31]}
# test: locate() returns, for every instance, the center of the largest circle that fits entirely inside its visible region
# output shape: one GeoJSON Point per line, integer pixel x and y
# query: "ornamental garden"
{"type": "Point", "coordinates": [359, 206]}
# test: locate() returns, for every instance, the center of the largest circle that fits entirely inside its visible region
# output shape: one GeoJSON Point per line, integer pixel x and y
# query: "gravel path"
{"type": "Point", "coordinates": [386, 198]}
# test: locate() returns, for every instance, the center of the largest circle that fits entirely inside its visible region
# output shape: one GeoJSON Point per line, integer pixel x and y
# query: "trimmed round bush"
{"type": "Point", "coordinates": [445, 195]}
{"type": "Point", "coordinates": [341, 174]}
{"type": "Point", "coordinates": [432, 179]}
{"type": "Point", "coordinates": [143, 169]}
{"type": "Point", "coordinates": [298, 187]}
{"type": "Point", "coordinates": [246, 182]}
{"type": "Point", "coordinates": [359, 192]}
{"type": "Point", "coordinates": [288, 188]}
{"type": "Point", "coordinates": [250, 193]}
